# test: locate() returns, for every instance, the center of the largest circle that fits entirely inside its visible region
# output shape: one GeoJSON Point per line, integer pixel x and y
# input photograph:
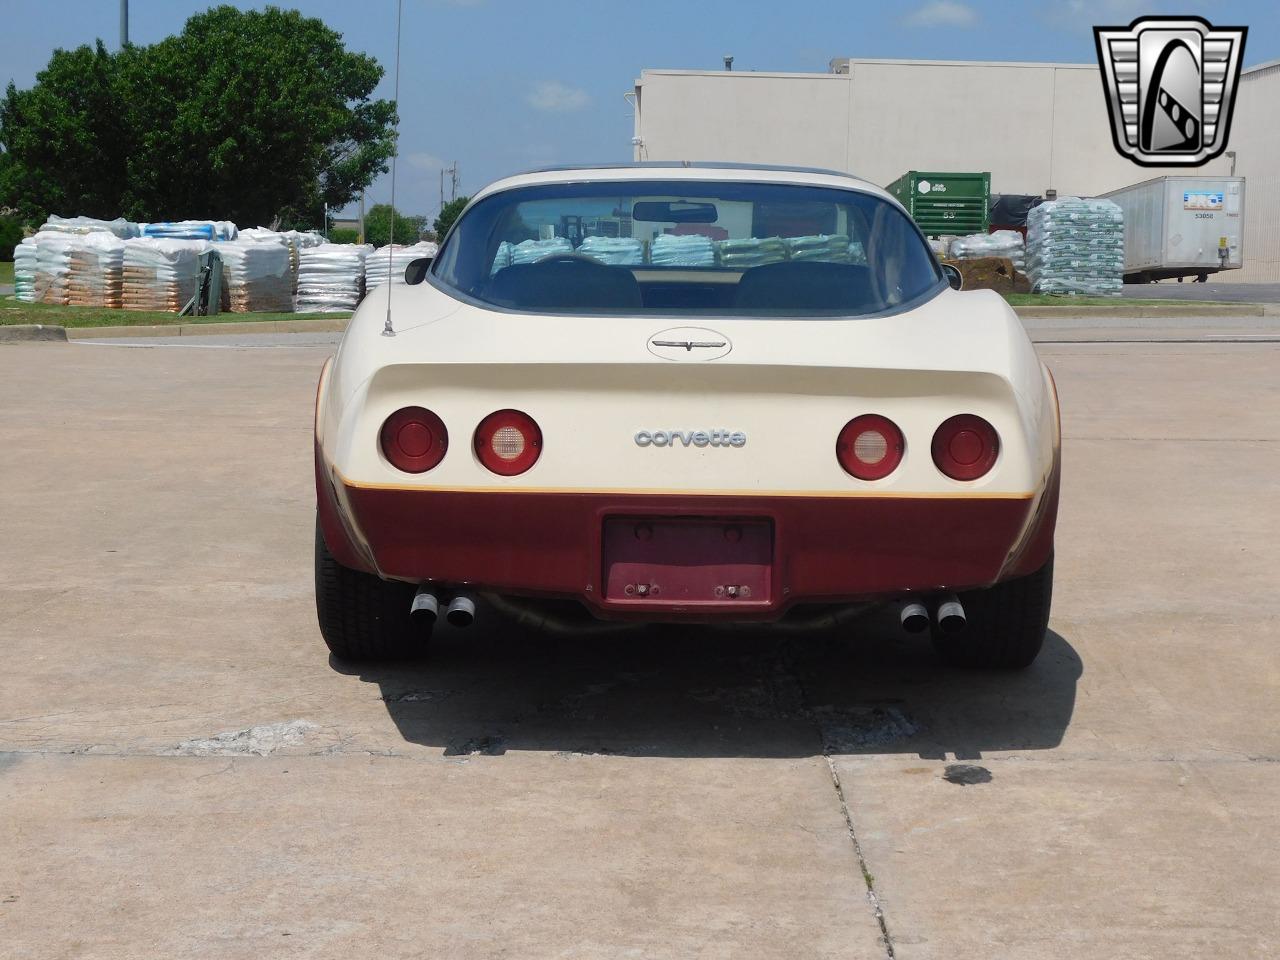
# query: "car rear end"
{"type": "Point", "coordinates": [704, 464]}
{"type": "Point", "coordinates": [729, 489]}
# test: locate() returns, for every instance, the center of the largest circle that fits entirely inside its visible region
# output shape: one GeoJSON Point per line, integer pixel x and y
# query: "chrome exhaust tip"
{"type": "Point", "coordinates": [461, 611]}
{"type": "Point", "coordinates": [914, 617]}
{"type": "Point", "coordinates": [950, 615]}
{"type": "Point", "coordinates": [425, 607]}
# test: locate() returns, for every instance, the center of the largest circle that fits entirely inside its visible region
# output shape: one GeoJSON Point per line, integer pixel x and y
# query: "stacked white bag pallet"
{"type": "Point", "coordinates": [331, 277]}
{"type": "Point", "coordinates": [614, 251]}
{"type": "Point", "coordinates": [295, 240]}
{"type": "Point", "coordinates": [53, 266]}
{"type": "Point", "coordinates": [96, 265]}
{"type": "Point", "coordinates": [502, 259]}
{"type": "Point", "coordinates": [82, 225]}
{"type": "Point", "coordinates": [1002, 243]}
{"type": "Point", "coordinates": [24, 270]}
{"type": "Point", "coordinates": [1076, 246]}
{"type": "Point", "coordinates": [750, 252]}
{"type": "Point", "coordinates": [531, 251]}
{"type": "Point", "coordinates": [256, 275]}
{"type": "Point", "coordinates": [673, 250]}
{"type": "Point", "coordinates": [382, 263]}
{"type": "Point", "coordinates": [161, 274]}
{"type": "Point", "coordinates": [824, 248]}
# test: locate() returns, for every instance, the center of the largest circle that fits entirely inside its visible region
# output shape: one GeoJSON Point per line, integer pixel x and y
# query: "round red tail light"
{"type": "Point", "coordinates": [870, 447]}
{"type": "Point", "coordinates": [508, 442]}
{"type": "Point", "coordinates": [414, 440]}
{"type": "Point", "coordinates": [965, 447]}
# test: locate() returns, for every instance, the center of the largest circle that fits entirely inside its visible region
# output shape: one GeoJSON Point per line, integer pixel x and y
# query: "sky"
{"type": "Point", "coordinates": [501, 86]}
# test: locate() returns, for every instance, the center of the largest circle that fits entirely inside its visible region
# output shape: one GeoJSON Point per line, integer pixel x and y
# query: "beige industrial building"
{"type": "Point", "coordinates": [1034, 126]}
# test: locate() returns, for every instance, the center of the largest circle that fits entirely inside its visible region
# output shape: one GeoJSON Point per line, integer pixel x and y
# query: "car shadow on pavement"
{"type": "Point", "coordinates": [681, 691]}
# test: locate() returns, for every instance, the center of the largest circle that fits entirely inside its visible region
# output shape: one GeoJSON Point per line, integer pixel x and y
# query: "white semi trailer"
{"type": "Point", "coordinates": [1181, 227]}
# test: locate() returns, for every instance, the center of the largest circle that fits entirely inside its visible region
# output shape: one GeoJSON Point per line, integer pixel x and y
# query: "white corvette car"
{"type": "Point", "coordinates": [685, 392]}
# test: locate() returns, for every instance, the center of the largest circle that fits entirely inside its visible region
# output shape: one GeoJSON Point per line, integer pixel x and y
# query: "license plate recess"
{"type": "Point", "coordinates": [688, 561]}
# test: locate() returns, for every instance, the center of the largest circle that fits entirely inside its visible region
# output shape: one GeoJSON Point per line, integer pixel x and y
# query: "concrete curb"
{"type": "Point", "coordinates": [231, 328]}
{"type": "Point", "coordinates": [32, 333]}
{"type": "Point", "coordinates": [1171, 312]}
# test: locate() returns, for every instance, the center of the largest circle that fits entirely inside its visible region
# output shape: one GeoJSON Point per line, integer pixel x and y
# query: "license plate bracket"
{"type": "Point", "coordinates": [688, 561]}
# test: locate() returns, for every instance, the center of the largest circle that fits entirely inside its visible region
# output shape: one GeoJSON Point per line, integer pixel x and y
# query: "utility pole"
{"type": "Point", "coordinates": [453, 183]}
{"type": "Point", "coordinates": [124, 23]}
{"type": "Point", "coordinates": [360, 238]}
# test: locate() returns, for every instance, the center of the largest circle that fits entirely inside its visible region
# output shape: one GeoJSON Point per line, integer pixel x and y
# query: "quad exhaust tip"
{"type": "Point", "coordinates": [915, 617]}
{"type": "Point", "coordinates": [950, 616]}
{"type": "Point", "coordinates": [461, 611]}
{"type": "Point", "coordinates": [425, 607]}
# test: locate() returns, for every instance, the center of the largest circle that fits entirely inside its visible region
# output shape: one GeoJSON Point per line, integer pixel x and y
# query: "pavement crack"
{"type": "Point", "coordinates": [868, 878]}
{"type": "Point", "coordinates": [787, 689]}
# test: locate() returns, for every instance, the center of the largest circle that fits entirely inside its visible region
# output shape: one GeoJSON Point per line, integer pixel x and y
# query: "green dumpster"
{"type": "Point", "coordinates": [945, 203]}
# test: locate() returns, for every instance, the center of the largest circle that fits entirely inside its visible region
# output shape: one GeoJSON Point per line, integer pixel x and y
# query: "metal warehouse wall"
{"type": "Point", "coordinates": [1035, 126]}
{"type": "Point", "coordinates": [1255, 137]}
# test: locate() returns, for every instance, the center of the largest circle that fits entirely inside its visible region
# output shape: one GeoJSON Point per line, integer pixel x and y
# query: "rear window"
{"type": "Point", "coordinates": [688, 248]}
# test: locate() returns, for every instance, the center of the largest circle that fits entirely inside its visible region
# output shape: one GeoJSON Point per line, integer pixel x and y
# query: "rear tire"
{"type": "Point", "coordinates": [362, 616]}
{"type": "Point", "coordinates": [1005, 624]}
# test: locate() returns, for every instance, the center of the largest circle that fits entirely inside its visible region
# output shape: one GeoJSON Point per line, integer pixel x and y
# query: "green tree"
{"type": "Point", "coordinates": [377, 226]}
{"type": "Point", "coordinates": [64, 140]}
{"type": "Point", "coordinates": [449, 213]}
{"type": "Point", "coordinates": [254, 116]}
{"type": "Point", "coordinates": [11, 234]}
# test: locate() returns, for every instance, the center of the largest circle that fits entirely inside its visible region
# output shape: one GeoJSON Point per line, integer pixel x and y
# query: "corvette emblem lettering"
{"type": "Point", "coordinates": [691, 438]}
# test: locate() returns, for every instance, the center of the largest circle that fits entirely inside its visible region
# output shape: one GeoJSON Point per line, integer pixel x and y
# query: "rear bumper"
{"type": "Point", "coordinates": [824, 549]}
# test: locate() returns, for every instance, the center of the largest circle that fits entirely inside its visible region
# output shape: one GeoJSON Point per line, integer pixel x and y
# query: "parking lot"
{"type": "Point", "coordinates": [186, 773]}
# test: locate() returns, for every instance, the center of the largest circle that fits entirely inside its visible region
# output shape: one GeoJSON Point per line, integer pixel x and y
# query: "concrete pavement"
{"type": "Point", "coordinates": [1209, 292]}
{"type": "Point", "coordinates": [185, 773]}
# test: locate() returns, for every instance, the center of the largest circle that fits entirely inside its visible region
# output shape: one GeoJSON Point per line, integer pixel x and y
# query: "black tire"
{"type": "Point", "coordinates": [1005, 624]}
{"type": "Point", "coordinates": [363, 617]}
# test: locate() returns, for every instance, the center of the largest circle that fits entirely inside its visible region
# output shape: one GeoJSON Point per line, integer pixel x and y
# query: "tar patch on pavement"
{"type": "Point", "coordinates": [485, 746]}
{"type": "Point", "coordinates": [860, 730]}
{"type": "Point", "coordinates": [966, 774]}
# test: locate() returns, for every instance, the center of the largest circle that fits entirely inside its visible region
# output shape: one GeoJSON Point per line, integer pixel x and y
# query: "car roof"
{"type": "Point", "coordinates": [692, 170]}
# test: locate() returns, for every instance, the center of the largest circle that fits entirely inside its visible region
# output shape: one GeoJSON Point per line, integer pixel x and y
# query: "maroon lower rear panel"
{"type": "Point", "coordinates": [709, 563]}
{"type": "Point", "coordinates": [820, 549]}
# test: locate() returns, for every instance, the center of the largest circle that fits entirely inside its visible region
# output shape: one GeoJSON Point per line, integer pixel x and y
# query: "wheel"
{"type": "Point", "coordinates": [1005, 624]}
{"type": "Point", "coordinates": [363, 617]}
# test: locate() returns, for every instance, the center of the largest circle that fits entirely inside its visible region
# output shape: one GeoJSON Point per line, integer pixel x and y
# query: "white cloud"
{"type": "Point", "coordinates": [556, 97]}
{"type": "Point", "coordinates": [1099, 12]}
{"type": "Point", "coordinates": [424, 161]}
{"type": "Point", "coordinates": [942, 13]}
{"type": "Point", "coordinates": [1081, 16]}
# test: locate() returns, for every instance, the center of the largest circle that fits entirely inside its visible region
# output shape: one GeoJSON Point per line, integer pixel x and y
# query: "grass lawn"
{"type": "Point", "coordinates": [1067, 300]}
{"type": "Point", "coordinates": [12, 312]}
{"type": "Point", "coordinates": [6, 273]}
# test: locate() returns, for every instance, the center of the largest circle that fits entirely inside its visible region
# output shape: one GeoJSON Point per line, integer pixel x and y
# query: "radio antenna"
{"type": "Point", "coordinates": [387, 329]}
